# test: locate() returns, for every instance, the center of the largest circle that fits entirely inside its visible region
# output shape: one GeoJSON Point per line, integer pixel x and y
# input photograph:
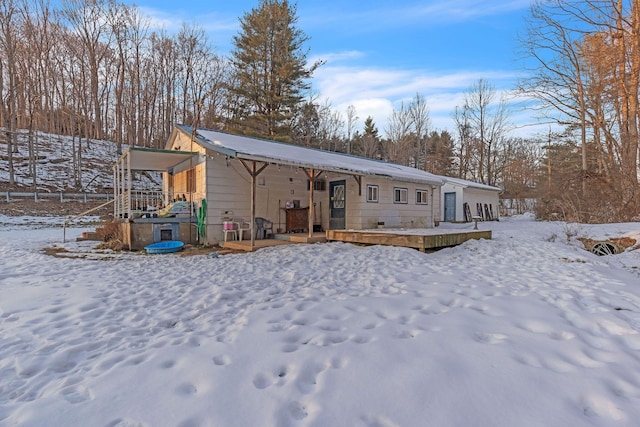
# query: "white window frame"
{"type": "Point", "coordinates": [398, 193]}
{"type": "Point", "coordinates": [373, 193]}
{"type": "Point", "coordinates": [422, 197]}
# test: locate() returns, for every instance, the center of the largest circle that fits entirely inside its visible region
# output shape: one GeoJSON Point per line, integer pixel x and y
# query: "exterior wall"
{"type": "Point", "coordinates": [137, 235]}
{"type": "Point", "coordinates": [491, 198]}
{"type": "Point", "coordinates": [365, 215]}
{"type": "Point", "coordinates": [471, 196]}
{"type": "Point", "coordinates": [180, 179]}
{"type": "Point", "coordinates": [229, 194]}
{"type": "Point", "coordinates": [226, 185]}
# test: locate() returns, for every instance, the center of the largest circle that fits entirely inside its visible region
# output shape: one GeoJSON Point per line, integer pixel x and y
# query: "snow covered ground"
{"type": "Point", "coordinates": [55, 166]}
{"type": "Point", "coordinates": [527, 329]}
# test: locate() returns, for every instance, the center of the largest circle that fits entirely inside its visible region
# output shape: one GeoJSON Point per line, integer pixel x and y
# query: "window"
{"type": "Point", "coordinates": [422, 197]}
{"type": "Point", "coordinates": [318, 185]}
{"type": "Point", "coordinates": [191, 181]}
{"type": "Point", "coordinates": [400, 195]}
{"type": "Point", "coordinates": [372, 193]}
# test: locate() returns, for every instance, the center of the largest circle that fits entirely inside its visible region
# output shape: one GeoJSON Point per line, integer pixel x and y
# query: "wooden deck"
{"type": "Point", "coordinates": [278, 239]}
{"type": "Point", "coordinates": [418, 239]}
{"type": "Point", "coordinates": [421, 239]}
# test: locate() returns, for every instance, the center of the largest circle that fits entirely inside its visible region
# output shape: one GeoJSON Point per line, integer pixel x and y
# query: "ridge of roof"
{"type": "Point", "coordinates": [250, 148]}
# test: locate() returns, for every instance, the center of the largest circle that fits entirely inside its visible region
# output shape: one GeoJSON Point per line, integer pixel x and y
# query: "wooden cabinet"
{"type": "Point", "coordinates": [297, 219]}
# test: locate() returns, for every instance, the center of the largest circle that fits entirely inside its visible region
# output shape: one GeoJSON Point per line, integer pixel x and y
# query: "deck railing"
{"type": "Point", "coordinates": [133, 202]}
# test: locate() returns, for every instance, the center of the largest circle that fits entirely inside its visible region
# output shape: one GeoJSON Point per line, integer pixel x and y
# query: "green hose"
{"type": "Point", "coordinates": [202, 215]}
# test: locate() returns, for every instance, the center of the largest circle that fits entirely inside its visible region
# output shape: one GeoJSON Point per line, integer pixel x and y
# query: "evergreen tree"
{"type": "Point", "coordinates": [440, 153]}
{"type": "Point", "coordinates": [270, 66]}
{"type": "Point", "coordinates": [368, 144]}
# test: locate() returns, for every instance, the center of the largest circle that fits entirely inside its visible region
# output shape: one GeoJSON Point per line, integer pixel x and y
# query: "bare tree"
{"type": "Point", "coordinates": [465, 143]}
{"type": "Point", "coordinates": [487, 125]}
{"type": "Point", "coordinates": [9, 45]}
{"type": "Point", "coordinates": [89, 22]}
{"type": "Point", "coordinates": [329, 127]}
{"type": "Point", "coordinates": [352, 117]}
{"type": "Point", "coordinates": [421, 126]}
{"type": "Point", "coordinates": [400, 136]}
{"type": "Point", "coordinates": [588, 73]}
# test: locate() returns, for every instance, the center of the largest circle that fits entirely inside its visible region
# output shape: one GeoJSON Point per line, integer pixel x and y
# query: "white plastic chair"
{"type": "Point", "coordinates": [241, 227]}
{"type": "Point", "coordinates": [229, 228]}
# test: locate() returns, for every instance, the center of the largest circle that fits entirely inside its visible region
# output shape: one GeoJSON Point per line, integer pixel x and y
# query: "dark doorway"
{"type": "Point", "coordinates": [338, 203]}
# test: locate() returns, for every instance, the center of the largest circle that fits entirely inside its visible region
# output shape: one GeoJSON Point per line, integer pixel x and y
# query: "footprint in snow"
{"type": "Point", "coordinates": [221, 360]}
{"type": "Point", "coordinates": [298, 411]}
{"type": "Point", "coordinates": [489, 338]}
{"type": "Point", "coordinates": [168, 364]}
{"type": "Point", "coordinates": [186, 389]}
{"type": "Point", "coordinates": [77, 394]}
{"type": "Point", "coordinates": [262, 381]}
{"type": "Point", "coordinates": [378, 421]}
{"type": "Point", "coordinates": [124, 422]}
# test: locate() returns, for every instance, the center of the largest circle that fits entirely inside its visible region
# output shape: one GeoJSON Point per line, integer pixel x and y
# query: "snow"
{"type": "Point", "coordinates": [252, 148]}
{"type": "Point", "coordinates": [55, 165]}
{"type": "Point", "coordinates": [527, 329]}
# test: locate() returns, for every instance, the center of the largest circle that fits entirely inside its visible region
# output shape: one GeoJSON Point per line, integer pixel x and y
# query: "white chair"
{"type": "Point", "coordinates": [241, 227]}
{"type": "Point", "coordinates": [229, 229]}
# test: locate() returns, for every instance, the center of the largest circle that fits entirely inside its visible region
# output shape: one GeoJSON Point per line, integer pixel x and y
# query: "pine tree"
{"type": "Point", "coordinates": [271, 74]}
{"type": "Point", "coordinates": [368, 144]}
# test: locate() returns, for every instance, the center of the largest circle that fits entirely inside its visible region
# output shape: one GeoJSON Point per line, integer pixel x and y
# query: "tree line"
{"type": "Point", "coordinates": [96, 69]}
{"type": "Point", "coordinates": [585, 72]}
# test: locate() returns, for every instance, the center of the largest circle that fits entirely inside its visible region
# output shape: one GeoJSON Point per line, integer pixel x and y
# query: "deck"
{"type": "Point", "coordinates": [278, 239]}
{"type": "Point", "coordinates": [421, 239]}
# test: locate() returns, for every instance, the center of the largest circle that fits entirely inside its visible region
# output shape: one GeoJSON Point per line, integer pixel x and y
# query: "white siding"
{"type": "Point", "coordinates": [363, 215]}
{"type": "Point", "coordinates": [229, 193]}
{"type": "Point", "coordinates": [474, 195]}
{"type": "Point", "coordinates": [469, 195]}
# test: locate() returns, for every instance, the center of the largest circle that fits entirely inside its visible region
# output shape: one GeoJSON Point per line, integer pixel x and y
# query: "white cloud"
{"type": "Point", "coordinates": [219, 28]}
{"type": "Point", "coordinates": [376, 91]}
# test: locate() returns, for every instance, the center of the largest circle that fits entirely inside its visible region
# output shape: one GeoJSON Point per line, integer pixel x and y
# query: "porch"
{"type": "Point", "coordinates": [277, 240]}
{"type": "Point", "coordinates": [131, 203]}
{"type": "Point", "coordinates": [421, 239]}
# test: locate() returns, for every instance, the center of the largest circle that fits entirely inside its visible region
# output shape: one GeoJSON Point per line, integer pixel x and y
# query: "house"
{"type": "Point", "coordinates": [227, 181]}
{"type": "Point", "coordinates": [462, 200]}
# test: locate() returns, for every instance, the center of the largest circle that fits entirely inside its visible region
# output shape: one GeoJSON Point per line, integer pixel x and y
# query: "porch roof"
{"type": "Point", "coordinates": [151, 159]}
{"type": "Point", "coordinates": [247, 148]}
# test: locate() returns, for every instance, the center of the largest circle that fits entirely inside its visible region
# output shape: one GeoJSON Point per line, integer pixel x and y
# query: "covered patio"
{"type": "Point", "coordinates": [131, 202]}
{"type": "Point", "coordinates": [152, 215]}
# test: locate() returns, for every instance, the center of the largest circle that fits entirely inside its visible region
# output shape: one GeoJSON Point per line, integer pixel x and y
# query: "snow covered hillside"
{"type": "Point", "coordinates": [527, 329]}
{"type": "Point", "coordinates": [55, 165]}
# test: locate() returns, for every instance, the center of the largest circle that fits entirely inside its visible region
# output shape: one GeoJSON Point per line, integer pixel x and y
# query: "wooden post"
{"type": "Point", "coordinates": [253, 173]}
{"type": "Point", "coordinates": [312, 175]}
{"type": "Point", "coordinates": [253, 203]}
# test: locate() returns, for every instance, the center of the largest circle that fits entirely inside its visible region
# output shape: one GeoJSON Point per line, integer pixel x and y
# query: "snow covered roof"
{"type": "Point", "coordinates": [151, 159]}
{"type": "Point", "coordinates": [243, 147]}
{"type": "Point", "coordinates": [465, 183]}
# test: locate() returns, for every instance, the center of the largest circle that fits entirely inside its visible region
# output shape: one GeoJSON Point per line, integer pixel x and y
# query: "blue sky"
{"type": "Point", "coordinates": [381, 53]}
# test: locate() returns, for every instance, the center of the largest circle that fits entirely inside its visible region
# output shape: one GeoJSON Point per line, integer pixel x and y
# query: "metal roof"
{"type": "Point", "coordinates": [247, 148]}
{"type": "Point", "coordinates": [151, 159]}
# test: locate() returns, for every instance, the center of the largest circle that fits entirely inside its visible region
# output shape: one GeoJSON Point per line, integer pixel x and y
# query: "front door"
{"type": "Point", "coordinates": [449, 207]}
{"type": "Point", "coordinates": [337, 206]}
